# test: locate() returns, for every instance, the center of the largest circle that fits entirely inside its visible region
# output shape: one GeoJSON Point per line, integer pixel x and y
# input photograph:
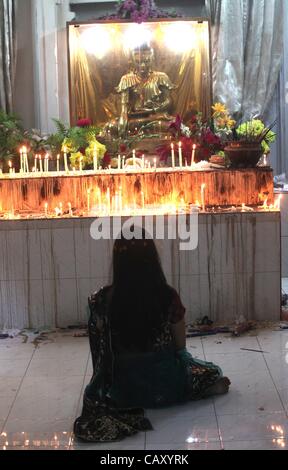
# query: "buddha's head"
{"type": "Point", "coordinates": [142, 58]}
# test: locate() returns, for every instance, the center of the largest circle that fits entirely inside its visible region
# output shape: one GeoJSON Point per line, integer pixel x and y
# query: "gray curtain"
{"type": "Point", "coordinates": [247, 38]}
{"type": "Point", "coordinates": [7, 53]}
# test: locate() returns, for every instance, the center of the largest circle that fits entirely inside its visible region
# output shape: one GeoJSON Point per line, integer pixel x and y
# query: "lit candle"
{"type": "Point", "coordinates": [25, 158]}
{"type": "Point", "coordinates": [173, 155]}
{"type": "Point", "coordinates": [65, 160]}
{"type": "Point", "coordinates": [47, 163]}
{"type": "Point", "coordinates": [21, 160]}
{"type": "Point", "coordinates": [40, 163]}
{"type": "Point", "coordinates": [58, 163]}
{"type": "Point", "coordinates": [70, 209]}
{"type": "Point", "coordinates": [35, 163]}
{"type": "Point", "coordinates": [193, 154]}
{"type": "Point", "coordinates": [119, 162]}
{"type": "Point", "coordinates": [180, 155]}
{"type": "Point", "coordinates": [143, 161]}
{"type": "Point", "coordinates": [203, 186]}
{"type": "Point", "coordinates": [155, 163]}
{"type": "Point", "coordinates": [81, 164]}
{"type": "Point", "coordinates": [10, 167]}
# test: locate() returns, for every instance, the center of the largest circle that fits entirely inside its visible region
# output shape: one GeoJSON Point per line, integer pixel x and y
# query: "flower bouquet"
{"type": "Point", "coordinates": [250, 141]}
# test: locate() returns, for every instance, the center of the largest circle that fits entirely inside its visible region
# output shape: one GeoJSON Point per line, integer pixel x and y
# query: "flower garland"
{"type": "Point", "coordinates": [140, 11]}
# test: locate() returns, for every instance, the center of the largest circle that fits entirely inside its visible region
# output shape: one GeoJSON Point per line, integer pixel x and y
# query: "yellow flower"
{"type": "Point", "coordinates": [219, 108]}
{"type": "Point", "coordinates": [231, 123]}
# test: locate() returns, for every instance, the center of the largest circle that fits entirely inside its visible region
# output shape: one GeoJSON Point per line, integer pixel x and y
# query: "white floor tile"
{"type": "Point", "coordinates": [14, 350]}
{"type": "Point", "coordinates": [226, 344]}
{"type": "Point", "coordinates": [250, 393]}
{"type": "Point", "coordinates": [183, 431]}
{"type": "Point", "coordinates": [201, 446]}
{"type": "Point", "coordinates": [253, 427]}
{"type": "Point", "coordinates": [15, 368]}
{"type": "Point", "coordinates": [45, 400]}
{"type": "Point", "coordinates": [189, 410]}
{"type": "Point", "coordinates": [244, 362]}
{"type": "Point", "coordinates": [60, 367]}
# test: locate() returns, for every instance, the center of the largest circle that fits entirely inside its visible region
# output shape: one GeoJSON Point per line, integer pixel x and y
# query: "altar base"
{"type": "Point", "coordinates": [48, 269]}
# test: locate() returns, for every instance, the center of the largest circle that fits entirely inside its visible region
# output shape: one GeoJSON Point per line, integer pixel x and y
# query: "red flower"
{"type": "Point", "coordinates": [175, 126]}
{"type": "Point", "coordinates": [106, 160]}
{"type": "Point", "coordinates": [123, 148]}
{"type": "Point", "coordinates": [84, 123]}
{"type": "Point", "coordinates": [210, 138]}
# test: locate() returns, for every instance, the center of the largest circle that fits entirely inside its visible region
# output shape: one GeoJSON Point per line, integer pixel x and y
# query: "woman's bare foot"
{"type": "Point", "coordinates": [219, 388]}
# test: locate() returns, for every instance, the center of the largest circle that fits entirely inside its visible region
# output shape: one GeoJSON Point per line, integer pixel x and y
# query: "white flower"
{"type": "Point", "coordinates": [185, 130]}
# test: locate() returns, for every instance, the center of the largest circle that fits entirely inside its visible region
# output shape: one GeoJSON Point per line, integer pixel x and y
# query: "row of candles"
{"type": "Point", "coordinates": [115, 204]}
{"type": "Point", "coordinates": [109, 205]}
{"type": "Point", "coordinates": [41, 164]}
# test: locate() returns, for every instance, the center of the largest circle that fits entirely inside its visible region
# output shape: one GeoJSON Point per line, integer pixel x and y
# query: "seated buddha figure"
{"type": "Point", "coordinates": [145, 94]}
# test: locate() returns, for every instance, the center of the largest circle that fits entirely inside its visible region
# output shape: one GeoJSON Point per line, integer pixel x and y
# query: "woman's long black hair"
{"type": "Point", "coordinates": [139, 286]}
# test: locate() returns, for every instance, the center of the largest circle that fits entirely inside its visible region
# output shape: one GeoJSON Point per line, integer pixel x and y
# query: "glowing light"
{"type": "Point", "coordinates": [179, 37]}
{"type": "Point", "coordinates": [192, 440]}
{"type": "Point", "coordinates": [137, 35]}
{"type": "Point", "coordinates": [97, 40]}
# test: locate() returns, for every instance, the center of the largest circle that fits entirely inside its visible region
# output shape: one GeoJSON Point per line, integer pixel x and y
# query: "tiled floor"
{"type": "Point", "coordinates": [41, 392]}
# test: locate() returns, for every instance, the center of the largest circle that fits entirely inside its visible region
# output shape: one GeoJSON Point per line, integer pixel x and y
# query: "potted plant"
{"type": "Point", "coordinates": [251, 140]}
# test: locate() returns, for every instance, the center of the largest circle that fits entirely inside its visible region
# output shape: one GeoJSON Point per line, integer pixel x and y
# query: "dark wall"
{"type": "Point", "coordinates": [88, 11]}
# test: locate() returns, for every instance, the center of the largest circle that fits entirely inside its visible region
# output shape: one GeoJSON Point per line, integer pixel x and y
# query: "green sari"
{"type": "Point", "coordinates": [123, 385]}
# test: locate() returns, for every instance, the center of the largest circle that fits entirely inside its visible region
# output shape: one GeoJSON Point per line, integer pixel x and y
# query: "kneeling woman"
{"type": "Point", "coordinates": [138, 347]}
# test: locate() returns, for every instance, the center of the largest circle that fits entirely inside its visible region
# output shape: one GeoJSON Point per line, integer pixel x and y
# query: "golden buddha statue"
{"type": "Point", "coordinates": [145, 95]}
